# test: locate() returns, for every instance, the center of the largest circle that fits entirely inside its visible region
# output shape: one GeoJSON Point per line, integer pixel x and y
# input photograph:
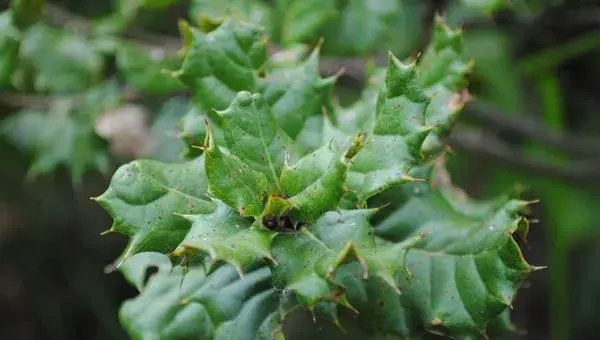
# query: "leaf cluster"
{"type": "Point", "coordinates": [272, 210]}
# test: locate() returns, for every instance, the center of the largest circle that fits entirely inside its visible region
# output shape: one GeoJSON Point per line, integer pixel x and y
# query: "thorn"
{"type": "Point", "coordinates": [239, 270]}
{"type": "Point", "coordinates": [339, 73]}
{"type": "Point", "coordinates": [311, 309]}
{"type": "Point", "coordinates": [108, 231]}
{"type": "Point", "coordinates": [437, 321]}
{"type": "Point", "coordinates": [203, 148]}
{"type": "Point", "coordinates": [110, 268]}
{"type": "Point", "coordinates": [390, 283]}
{"type": "Point", "coordinates": [537, 268]}
{"type": "Point", "coordinates": [272, 259]}
{"type": "Point", "coordinates": [344, 302]}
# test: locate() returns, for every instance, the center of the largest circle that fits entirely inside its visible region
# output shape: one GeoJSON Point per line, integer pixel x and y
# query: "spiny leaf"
{"type": "Point", "coordinates": [195, 306]}
{"type": "Point", "coordinates": [252, 135]}
{"type": "Point", "coordinates": [220, 63]}
{"type": "Point", "coordinates": [325, 245]}
{"type": "Point", "coordinates": [226, 236]}
{"type": "Point", "coordinates": [315, 188]}
{"type": "Point", "coordinates": [398, 134]}
{"type": "Point", "coordinates": [234, 182]}
{"type": "Point", "coordinates": [144, 197]}
{"type": "Point", "coordinates": [296, 94]}
{"type": "Point", "coordinates": [467, 268]}
{"type": "Point", "coordinates": [441, 71]}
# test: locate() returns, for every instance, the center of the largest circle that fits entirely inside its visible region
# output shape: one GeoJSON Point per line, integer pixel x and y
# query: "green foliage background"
{"type": "Point", "coordinates": [55, 73]}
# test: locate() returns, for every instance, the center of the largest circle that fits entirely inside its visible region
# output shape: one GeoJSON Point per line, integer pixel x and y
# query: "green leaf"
{"type": "Point", "coordinates": [195, 306]}
{"type": "Point", "coordinates": [442, 72]}
{"type": "Point", "coordinates": [316, 187]}
{"type": "Point", "coordinates": [64, 136]}
{"type": "Point", "coordinates": [60, 61]}
{"type": "Point", "coordinates": [296, 94]}
{"type": "Point", "coordinates": [165, 130]}
{"type": "Point", "coordinates": [398, 135]}
{"type": "Point", "coordinates": [9, 48]}
{"type": "Point", "coordinates": [468, 267]}
{"type": "Point", "coordinates": [26, 12]}
{"type": "Point", "coordinates": [487, 7]}
{"type": "Point", "coordinates": [251, 134]}
{"type": "Point", "coordinates": [192, 130]}
{"type": "Point", "coordinates": [145, 198]}
{"type": "Point", "coordinates": [234, 182]}
{"type": "Point", "coordinates": [222, 62]}
{"type": "Point", "coordinates": [302, 20]}
{"type": "Point", "coordinates": [136, 268]}
{"type": "Point", "coordinates": [252, 11]}
{"type": "Point", "coordinates": [361, 28]}
{"type": "Point", "coordinates": [226, 236]}
{"type": "Point", "coordinates": [321, 248]}
{"type": "Point", "coordinates": [143, 70]}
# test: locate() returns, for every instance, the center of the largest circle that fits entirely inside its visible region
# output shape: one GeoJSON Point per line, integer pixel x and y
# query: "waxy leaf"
{"type": "Point", "coordinates": [467, 268]}
{"type": "Point", "coordinates": [226, 236]}
{"type": "Point", "coordinates": [442, 72]}
{"type": "Point", "coordinates": [146, 197]}
{"type": "Point", "coordinates": [251, 134]}
{"type": "Point", "coordinates": [398, 134]}
{"type": "Point", "coordinates": [234, 182]}
{"type": "Point", "coordinates": [322, 247]}
{"type": "Point", "coordinates": [222, 62]}
{"type": "Point", "coordinates": [195, 306]}
{"type": "Point", "coordinates": [314, 187]}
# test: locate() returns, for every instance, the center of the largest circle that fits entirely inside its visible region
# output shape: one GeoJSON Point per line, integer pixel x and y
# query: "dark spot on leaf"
{"type": "Point", "coordinates": [151, 270]}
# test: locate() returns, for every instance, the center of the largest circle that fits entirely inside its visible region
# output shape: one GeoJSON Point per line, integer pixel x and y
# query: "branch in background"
{"type": "Point", "coordinates": [57, 16]}
{"type": "Point", "coordinates": [354, 75]}
{"type": "Point", "coordinates": [490, 147]}
{"type": "Point", "coordinates": [41, 102]}
{"type": "Point", "coordinates": [531, 129]}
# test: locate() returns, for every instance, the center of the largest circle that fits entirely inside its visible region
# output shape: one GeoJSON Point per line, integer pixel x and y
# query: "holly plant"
{"type": "Point", "coordinates": [285, 200]}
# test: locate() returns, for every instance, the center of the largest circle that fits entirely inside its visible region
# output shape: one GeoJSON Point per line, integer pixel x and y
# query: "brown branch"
{"type": "Point", "coordinates": [490, 147]}
{"type": "Point", "coordinates": [533, 130]}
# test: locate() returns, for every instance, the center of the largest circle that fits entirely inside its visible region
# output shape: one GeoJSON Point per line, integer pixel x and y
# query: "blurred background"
{"type": "Point", "coordinates": [533, 124]}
